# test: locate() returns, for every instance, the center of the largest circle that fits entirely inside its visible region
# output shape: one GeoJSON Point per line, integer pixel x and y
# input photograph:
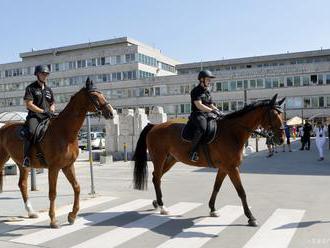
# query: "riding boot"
{"type": "Point", "coordinates": [27, 146]}
{"type": "Point", "coordinates": [193, 155]}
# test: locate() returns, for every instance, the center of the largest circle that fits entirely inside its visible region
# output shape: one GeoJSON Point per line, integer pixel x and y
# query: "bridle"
{"type": "Point", "coordinates": [99, 108]}
{"type": "Point", "coordinates": [262, 134]}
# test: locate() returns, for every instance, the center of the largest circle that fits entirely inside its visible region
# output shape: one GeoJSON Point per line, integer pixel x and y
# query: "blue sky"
{"type": "Point", "coordinates": [187, 30]}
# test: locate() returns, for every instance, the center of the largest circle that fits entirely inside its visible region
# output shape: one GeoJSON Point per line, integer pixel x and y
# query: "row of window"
{"type": "Point", "coordinates": [259, 65]}
{"type": "Point", "coordinates": [100, 61]}
{"type": "Point", "coordinates": [80, 80]}
{"type": "Point", "coordinates": [291, 81]}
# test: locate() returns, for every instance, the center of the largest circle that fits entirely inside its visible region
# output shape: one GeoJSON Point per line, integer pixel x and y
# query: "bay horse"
{"type": "Point", "coordinates": [166, 147]}
{"type": "Point", "coordinates": [59, 146]}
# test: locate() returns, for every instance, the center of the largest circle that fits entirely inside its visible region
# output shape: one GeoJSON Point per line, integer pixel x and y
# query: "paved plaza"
{"type": "Point", "coordinates": [288, 194]}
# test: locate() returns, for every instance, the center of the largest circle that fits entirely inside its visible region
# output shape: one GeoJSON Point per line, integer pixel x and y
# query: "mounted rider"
{"type": "Point", "coordinates": [39, 100]}
{"type": "Point", "coordinates": [201, 105]}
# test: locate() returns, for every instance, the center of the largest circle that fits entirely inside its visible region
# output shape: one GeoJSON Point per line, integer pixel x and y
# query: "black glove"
{"type": "Point", "coordinates": [48, 113]}
{"type": "Point", "coordinates": [218, 113]}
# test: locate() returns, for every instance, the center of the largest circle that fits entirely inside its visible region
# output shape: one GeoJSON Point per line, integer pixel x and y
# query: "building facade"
{"type": "Point", "coordinates": [132, 74]}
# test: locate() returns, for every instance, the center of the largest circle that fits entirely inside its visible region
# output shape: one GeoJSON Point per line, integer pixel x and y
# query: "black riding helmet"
{"type": "Point", "coordinates": [41, 68]}
{"type": "Point", "coordinates": [205, 74]}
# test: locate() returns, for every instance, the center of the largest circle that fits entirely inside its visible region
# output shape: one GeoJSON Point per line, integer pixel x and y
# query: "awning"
{"type": "Point", "coordinates": [294, 121]}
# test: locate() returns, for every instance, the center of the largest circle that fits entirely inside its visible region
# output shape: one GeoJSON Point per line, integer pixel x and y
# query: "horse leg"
{"type": "Point", "coordinates": [22, 184]}
{"type": "Point", "coordinates": [3, 159]}
{"type": "Point", "coordinates": [156, 179]}
{"type": "Point", "coordinates": [217, 185]}
{"type": "Point", "coordinates": [70, 174]}
{"type": "Point", "coordinates": [236, 180]}
{"type": "Point", "coordinates": [52, 181]}
{"type": "Point", "coordinates": [169, 162]}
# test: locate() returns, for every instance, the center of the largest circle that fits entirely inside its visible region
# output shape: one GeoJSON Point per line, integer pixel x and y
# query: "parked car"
{"type": "Point", "coordinates": [97, 140]}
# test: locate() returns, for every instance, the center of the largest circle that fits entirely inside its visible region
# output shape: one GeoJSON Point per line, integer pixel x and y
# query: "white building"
{"type": "Point", "coordinates": [132, 74]}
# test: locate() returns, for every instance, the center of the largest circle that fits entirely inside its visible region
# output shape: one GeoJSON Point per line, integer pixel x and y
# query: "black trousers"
{"type": "Point", "coordinates": [199, 119]}
{"type": "Point", "coordinates": [31, 123]}
{"type": "Point", "coordinates": [306, 140]}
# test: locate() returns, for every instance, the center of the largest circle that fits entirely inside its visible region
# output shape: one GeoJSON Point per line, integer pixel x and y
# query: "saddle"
{"type": "Point", "coordinates": [187, 134]}
{"type": "Point", "coordinates": [36, 138]}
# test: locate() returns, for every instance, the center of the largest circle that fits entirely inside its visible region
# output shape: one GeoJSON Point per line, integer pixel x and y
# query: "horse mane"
{"type": "Point", "coordinates": [247, 109]}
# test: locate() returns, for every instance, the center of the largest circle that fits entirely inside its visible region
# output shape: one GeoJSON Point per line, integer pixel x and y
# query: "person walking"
{"type": "Point", "coordinates": [287, 135]}
{"type": "Point", "coordinates": [320, 130]}
{"type": "Point", "coordinates": [306, 139]}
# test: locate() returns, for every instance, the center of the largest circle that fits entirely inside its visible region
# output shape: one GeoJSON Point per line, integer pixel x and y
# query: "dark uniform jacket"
{"type": "Point", "coordinates": [43, 98]}
{"type": "Point", "coordinates": [200, 93]}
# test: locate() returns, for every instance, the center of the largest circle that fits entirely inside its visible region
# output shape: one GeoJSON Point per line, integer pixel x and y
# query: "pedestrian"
{"type": "Point", "coordinates": [270, 143]}
{"type": "Point", "coordinates": [320, 137]}
{"type": "Point", "coordinates": [287, 135]}
{"type": "Point", "coordinates": [306, 139]}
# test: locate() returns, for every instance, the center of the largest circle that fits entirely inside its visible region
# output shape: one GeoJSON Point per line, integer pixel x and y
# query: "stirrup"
{"type": "Point", "coordinates": [26, 162]}
{"type": "Point", "coordinates": [194, 157]}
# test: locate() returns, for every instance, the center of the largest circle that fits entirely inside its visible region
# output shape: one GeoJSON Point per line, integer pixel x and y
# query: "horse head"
{"type": "Point", "coordinates": [97, 101]}
{"type": "Point", "coordinates": [273, 119]}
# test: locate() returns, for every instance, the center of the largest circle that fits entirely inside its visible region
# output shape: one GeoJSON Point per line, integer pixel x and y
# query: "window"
{"type": "Point", "coordinates": [81, 63]}
{"type": "Point", "coordinates": [321, 101]}
{"type": "Point", "coordinates": [239, 85]}
{"type": "Point", "coordinates": [218, 86]}
{"type": "Point", "coordinates": [101, 61]}
{"type": "Point", "coordinates": [275, 83]}
{"type": "Point", "coordinates": [252, 83]}
{"type": "Point", "coordinates": [268, 83]}
{"type": "Point", "coordinates": [225, 86]}
{"type": "Point", "coordinates": [281, 82]}
{"type": "Point", "coordinates": [246, 84]}
{"type": "Point", "coordinates": [320, 81]}
{"type": "Point", "coordinates": [296, 81]}
{"type": "Point", "coordinates": [315, 102]}
{"type": "Point", "coordinates": [289, 82]}
{"type": "Point", "coordinates": [233, 106]}
{"type": "Point", "coordinates": [314, 79]}
{"type": "Point", "coordinates": [327, 79]}
{"type": "Point", "coordinates": [260, 83]}
{"type": "Point", "coordinates": [91, 62]}
{"type": "Point", "coordinates": [232, 85]}
{"type": "Point", "coordinates": [118, 59]}
{"type": "Point", "coordinates": [225, 106]}
{"type": "Point", "coordinates": [305, 80]}
{"type": "Point", "coordinates": [328, 101]}
{"type": "Point", "coordinates": [307, 102]}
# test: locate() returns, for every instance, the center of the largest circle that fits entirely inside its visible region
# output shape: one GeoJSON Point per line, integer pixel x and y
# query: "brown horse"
{"type": "Point", "coordinates": [226, 150]}
{"type": "Point", "coordinates": [59, 146]}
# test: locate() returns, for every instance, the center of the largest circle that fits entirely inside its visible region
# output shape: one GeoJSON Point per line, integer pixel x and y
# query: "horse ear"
{"type": "Point", "coordinates": [89, 84]}
{"type": "Point", "coordinates": [280, 102]}
{"type": "Point", "coordinates": [273, 101]}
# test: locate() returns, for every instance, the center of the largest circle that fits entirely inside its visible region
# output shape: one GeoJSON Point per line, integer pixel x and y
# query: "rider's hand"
{"type": "Point", "coordinates": [48, 113]}
{"type": "Point", "coordinates": [218, 113]}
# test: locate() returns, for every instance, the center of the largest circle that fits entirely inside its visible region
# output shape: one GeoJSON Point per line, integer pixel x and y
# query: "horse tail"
{"type": "Point", "coordinates": [140, 158]}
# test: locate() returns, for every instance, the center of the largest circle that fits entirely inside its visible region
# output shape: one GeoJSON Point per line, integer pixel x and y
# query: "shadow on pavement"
{"type": "Point", "coordinates": [296, 162]}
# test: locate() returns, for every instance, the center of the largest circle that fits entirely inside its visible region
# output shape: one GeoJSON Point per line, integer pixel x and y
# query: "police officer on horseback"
{"type": "Point", "coordinates": [201, 107]}
{"type": "Point", "coordinates": [39, 101]}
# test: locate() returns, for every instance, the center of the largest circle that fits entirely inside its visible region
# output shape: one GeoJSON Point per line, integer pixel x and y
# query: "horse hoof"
{"type": "Point", "coordinates": [33, 215]}
{"type": "Point", "coordinates": [253, 223]}
{"type": "Point", "coordinates": [214, 214]}
{"type": "Point", "coordinates": [155, 204]}
{"type": "Point", "coordinates": [71, 219]}
{"type": "Point", "coordinates": [164, 212]}
{"type": "Point", "coordinates": [54, 226]}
